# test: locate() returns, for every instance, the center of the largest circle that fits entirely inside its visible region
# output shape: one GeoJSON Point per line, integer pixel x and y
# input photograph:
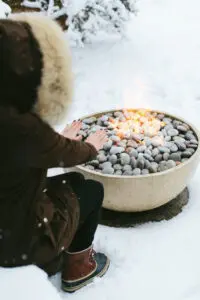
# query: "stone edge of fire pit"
{"type": "Point", "coordinates": [179, 175]}
{"type": "Point", "coordinates": [131, 219]}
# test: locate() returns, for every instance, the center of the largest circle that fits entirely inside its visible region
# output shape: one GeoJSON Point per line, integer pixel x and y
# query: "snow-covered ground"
{"type": "Point", "coordinates": [5, 9]}
{"type": "Point", "coordinates": [158, 66]}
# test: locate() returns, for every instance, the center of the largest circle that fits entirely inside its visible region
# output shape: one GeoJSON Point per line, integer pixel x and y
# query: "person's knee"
{"type": "Point", "coordinates": [96, 190]}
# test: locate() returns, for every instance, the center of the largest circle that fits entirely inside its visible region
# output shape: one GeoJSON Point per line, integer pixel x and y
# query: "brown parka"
{"type": "Point", "coordinates": [38, 218]}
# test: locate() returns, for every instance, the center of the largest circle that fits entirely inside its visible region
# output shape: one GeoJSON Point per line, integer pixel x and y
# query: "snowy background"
{"type": "Point", "coordinates": [156, 65]}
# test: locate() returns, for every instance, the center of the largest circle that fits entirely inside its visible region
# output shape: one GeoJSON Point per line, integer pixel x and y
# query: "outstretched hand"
{"type": "Point", "coordinates": [97, 139]}
{"type": "Point", "coordinates": [71, 131]}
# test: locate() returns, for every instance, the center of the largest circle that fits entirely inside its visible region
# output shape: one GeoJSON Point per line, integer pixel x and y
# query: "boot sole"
{"type": "Point", "coordinates": [76, 288]}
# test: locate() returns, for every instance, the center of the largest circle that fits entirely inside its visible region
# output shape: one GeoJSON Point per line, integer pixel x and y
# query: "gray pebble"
{"type": "Point", "coordinates": [147, 156]}
{"type": "Point", "coordinates": [116, 150]}
{"type": "Point", "coordinates": [133, 153]}
{"type": "Point", "coordinates": [170, 164]}
{"type": "Point", "coordinates": [117, 167]}
{"type": "Point", "coordinates": [141, 148]}
{"type": "Point", "coordinates": [111, 133]}
{"type": "Point", "coordinates": [121, 144]}
{"type": "Point", "coordinates": [181, 146]}
{"type": "Point", "coordinates": [147, 151]}
{"type": "Point", "coordinates": [160, 116]}
{"type": "Point", "coordinates": [189, 136]}
{"type": "Point", "coordinates": [186, 154]}
{"type": "Point", "coordinates": [108, 125]}
{"type": "Point", "coordinates": [113, 159]}
{"type": "Point", "coordinates": [85, 126]}
{"type": "Point", "coordinates": [174, 148]}
{"type": "Point", "coordinates": [162, 166]}
{"type": "Point", "coordinates": [172, 132]}
{"type": "Point", "coordinates": [118, 172]}
{"type": "Point", "coordinates": [182, 128]}
{"type": "Point", "coordinates": [108, 145]}
{"type": "Point", "coordinates": [164, 132]}
{"type": "Point", "coordinates": [153, 168]}
{"type": "Point", "coordinates": [194, 141]}
{"type": "Point", "coordinates": [179, 139]}
{"type": "Point", "coordinates": [125, 159]}
{"type": "Point", "coordinates": [90, 121]}
{"type": "Point", "coordinates": [109, 171]}
{"type": "Point", "coordinates": [101, 158]}
{"type": "Point", "coordinates": [158, 158]}
{"type": "Point", "coordinates": [155, 152]}
{"type": "Point", "coordinates": [140, 155]}
{"type": "Point", "coordinates": [169, 127]}
{"type": "Point", "coordinates": [136, 137]}
{"type": "Point", "coordinates": [166, 156]}
{"type": "Point", "coordinates": [168, 138]}
{"type": "Point", "coordinates": [167, 120]}
{"type": "Point", "coordinates": [147, 142]}
{"type": "Point", "coordinates": [156, 141]}
{"type": "Point", "coordinates": [115, 138]}
{"type": "Point", "coordinates": [164, 150]}
{"type": "Point", "coordinates": [191, 150]}
{"type": "Point", "coordinates": [175, 156]}
{"type": "Point", "coordinates": [176, 123]}
{"type": "Point", "coordinates": [145, 172]}
{"type": "Point", "coordinates": [128, 173]}
{"type": "Point", "coordinates": [194, 146]}
{"type": "Point", "coordinates": [132, 144]}
{"type": "Point", "coordinates": [106, 165]}
{"type": "Point", "coordinates": [104, 118]}
{"type": "Point", "coordinates": [140, 163]}
{"type": "Point", "coordinates": [133, 162]}
{"type": "Point", "coordinates": [127, 168]}
{"type": "Point", "coordinates": [136, 172]}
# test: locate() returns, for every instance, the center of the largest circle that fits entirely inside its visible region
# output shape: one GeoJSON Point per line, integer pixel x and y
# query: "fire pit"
{"type": "Point", "coordinates": [148, 160]}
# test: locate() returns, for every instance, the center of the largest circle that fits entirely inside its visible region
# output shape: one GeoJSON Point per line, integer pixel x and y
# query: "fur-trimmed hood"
{"type": "Point", "coordinates": [39, 69]}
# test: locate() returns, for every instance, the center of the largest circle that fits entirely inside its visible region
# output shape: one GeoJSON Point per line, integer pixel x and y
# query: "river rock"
{"type": "Point", "coordinates": [136, 172]}
{"type": "Point", "coordinates": [125, 159]}
{"type": "Point", "coordinates": [109, 171]}
{"type": "Point", "coordinates": [101, 158]}
{"type": "Point", "coordinates": [113, 159]}
{"type": "Point", "coordinates": [172, 132]}
{"type": "Point", "coordinates": [116, 150]}
{"type": "Point", "coordinates": [175, 156]}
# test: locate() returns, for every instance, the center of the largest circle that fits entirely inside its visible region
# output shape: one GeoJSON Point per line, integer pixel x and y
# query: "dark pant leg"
{"type": "Point", "coordinates": [90, 196]}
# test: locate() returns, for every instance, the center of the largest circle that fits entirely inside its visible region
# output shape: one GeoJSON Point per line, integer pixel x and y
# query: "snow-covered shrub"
{"type": "Point", "coordinates": [87, 18]}
{"type": "Point", "coordinates": [95, 16]}
{"type": "Point", "coordinates": [5, 10]}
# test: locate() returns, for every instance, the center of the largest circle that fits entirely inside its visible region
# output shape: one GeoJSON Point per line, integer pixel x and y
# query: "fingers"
{"type": "Point", "coordinates": [78, 138]}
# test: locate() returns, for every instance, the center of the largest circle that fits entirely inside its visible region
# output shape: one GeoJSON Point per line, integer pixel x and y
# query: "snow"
{"type": "Point", "coordinates": [5, 9]}
{"type": "Point", "coordinates": [155, 66]}
{"type": "Point", "coordinates": [27, 283]}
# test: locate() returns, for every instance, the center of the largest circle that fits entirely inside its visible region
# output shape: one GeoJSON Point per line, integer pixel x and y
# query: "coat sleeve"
{"type": "Point", "coordinates": [45, 148]}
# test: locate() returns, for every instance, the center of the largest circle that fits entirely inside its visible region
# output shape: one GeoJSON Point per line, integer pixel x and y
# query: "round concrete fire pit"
{"type": "Point", "coordinates": [145, 192]}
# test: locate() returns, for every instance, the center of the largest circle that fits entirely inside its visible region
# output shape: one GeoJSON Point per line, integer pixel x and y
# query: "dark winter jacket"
{"type": "Point", "coordinates": [37, 222]}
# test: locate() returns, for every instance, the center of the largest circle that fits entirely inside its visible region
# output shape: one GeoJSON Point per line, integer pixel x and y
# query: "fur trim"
{"type": "Point", "coordinates": [55, 92]}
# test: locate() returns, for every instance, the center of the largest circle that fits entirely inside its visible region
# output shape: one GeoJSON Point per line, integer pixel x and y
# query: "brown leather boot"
{"type": "Point", "coordinates": [80, 268]}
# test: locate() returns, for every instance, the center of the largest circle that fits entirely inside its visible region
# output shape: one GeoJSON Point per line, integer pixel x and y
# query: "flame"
{"type": "Point", "coordinates": [138, 122]}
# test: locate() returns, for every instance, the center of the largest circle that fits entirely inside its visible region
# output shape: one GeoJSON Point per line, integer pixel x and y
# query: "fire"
{"type": "Point", "coordinates": [137, 122]}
